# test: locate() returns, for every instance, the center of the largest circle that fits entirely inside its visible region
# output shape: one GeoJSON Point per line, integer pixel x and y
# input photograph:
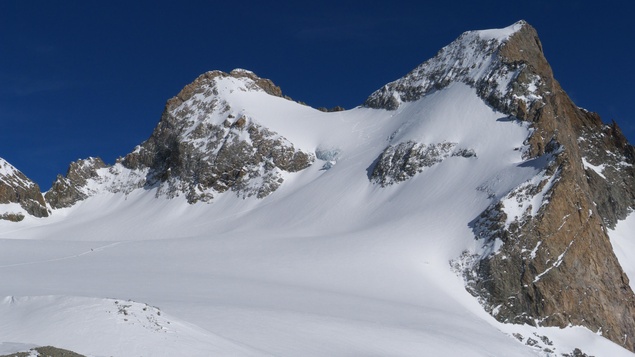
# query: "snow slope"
{"type": "Point", "coordinates": [111, 327]}
{"type": "Point", "coordinates": [624, 247]}
{"type": "Point", "coordinates": [330, 264]}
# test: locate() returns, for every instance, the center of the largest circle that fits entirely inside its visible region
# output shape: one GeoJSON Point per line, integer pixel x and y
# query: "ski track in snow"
{"type": "Point", "coordinates": [91, 251]}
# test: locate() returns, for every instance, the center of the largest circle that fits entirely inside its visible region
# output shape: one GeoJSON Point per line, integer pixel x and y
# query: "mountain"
{"type": "Point", "coordinates": [202, 146]}
{"type": "Point", "coordinates": [469, 207]}
{"type": "Point", "coordinates": [19, 196]}
{"type": "Point", "coordinates": [560, 216]}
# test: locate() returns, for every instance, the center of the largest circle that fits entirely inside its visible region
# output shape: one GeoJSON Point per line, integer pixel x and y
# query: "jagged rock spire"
{"type": "Point", "coordinates": [556, 267]}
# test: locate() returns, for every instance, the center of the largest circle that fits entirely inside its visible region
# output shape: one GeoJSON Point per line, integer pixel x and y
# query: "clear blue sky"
{"type": "Point", "coordinates": [90, 78]}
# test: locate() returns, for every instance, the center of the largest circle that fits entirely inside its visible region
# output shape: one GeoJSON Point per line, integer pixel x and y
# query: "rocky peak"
{"type": "Point", "coordinates": [529, 270]}
{"type": "Point", "coordinates": [265, 84]}
{"type": "Point", "coordinates": [247, 81]}
{"type": "Point", "coordinates": [608, 161]}
{"type": "Point", "coordinates": [202, 146]}
{"type": "Point", "coordinates": [504, 65]}
{"type": "Point", "coordinates": [586, 183]}
{"type": "Point", "coordinates": [19, 195]}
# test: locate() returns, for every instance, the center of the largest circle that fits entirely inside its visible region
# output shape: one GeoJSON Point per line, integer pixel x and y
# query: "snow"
{"type": "Point", "coordinates": [532, 255]}
{"type": "Point", "coordinates": [330, 264]}
{"type": "Point", "coordinates": [241, 70]}
{"type": "Point", "coordinates": [472, 59]}
{"type": "Point", "coordinates": [11, 176]}
{"type": "Point", "coordinates": [13, 347]}
{"type": "Point", "coordinates": [624, 246]}
{"type": "Point", "coordinates": [6, 169]}
{"type": "Point", "coordinates": [501, 34]}
{"type": "Point", "coordinates": [12, 208]}
{"type": "Point", "coordinates": [598, 169]}
{"type": "Point", "coordinates": [520, 203]}
{"type": "Point", "coordinates": [555, 264]}
{"type": "Point", "coordinates": [531, 91]}
{"type": "Point", "coordinates": [561, 341]}
{"type": "Point", "coordinates": [89, 323]}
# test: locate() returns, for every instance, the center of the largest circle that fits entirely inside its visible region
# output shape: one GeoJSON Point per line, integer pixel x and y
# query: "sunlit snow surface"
{"type": "Point", "coordinates": [624, 246]}
{"type": "Point", "coordinates": [330, 264]}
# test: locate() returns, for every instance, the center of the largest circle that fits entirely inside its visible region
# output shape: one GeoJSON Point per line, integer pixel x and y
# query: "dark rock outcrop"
{"type": "Point", "coordinates": [46, 351]}
{"type": "Point", "coordinates": [397, 163]}
{"type": "Point", "coordinates": [191, 155]}
{"type": "Point", "coordinates": [15, 187]}
{"type": "Point", "coordinates": [480, 62]}
{"type": "Point", "coordinates": [554, 265]}
{"type": "Point", "coordinates": [208, 79]}
{"type": "Point", "coordinates": [68, 190]}
{"type": "Point", "coordinates": [336, 108]}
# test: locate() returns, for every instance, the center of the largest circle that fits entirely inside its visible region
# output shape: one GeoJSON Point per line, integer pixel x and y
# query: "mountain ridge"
{"type": "Point", "coordinates": [573, 175]}
{"type": "Point", "coordinates": [177, 158]}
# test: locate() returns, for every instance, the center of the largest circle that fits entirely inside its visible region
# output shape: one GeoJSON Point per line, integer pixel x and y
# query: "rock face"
{"type": "Point", "coordinates": [474, 59]}
{"type": "Point", "coordinates": [201, 147]}
{"type": "Point", "coordinates": [402, 161]}
{"type": "Point", "coordinates": [68, 190]}
{"type": "Point", "coordinates": [546, 256]}
{"type": "Point", "coordinates": [608, 163]}
{"type": "Point", "coordinates": [555, 265]}
{"type": "Point", "coordinates": [16, 188]}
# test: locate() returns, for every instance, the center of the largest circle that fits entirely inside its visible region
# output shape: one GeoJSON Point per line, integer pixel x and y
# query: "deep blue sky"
{"type": "Point", "coordinates": [90, 78]}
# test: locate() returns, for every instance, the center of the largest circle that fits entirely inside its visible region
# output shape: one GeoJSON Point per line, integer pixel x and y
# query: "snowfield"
{"type": "Point", "coordinates": [624, 247]}
{"type": "Point", "coordinates": [330, 264]}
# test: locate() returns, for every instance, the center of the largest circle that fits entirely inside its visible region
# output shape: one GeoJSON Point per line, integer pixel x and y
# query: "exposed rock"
{"type": "Point", "coordinates": [478, 61]}
{"type": "Point", "coordinates": [200, 147]}
{"type": "Point", "coordinates": [334, 109]}
{"type": "Point", "coordinates": [554, 265]}
{"type": "Point", "coordinates": [15, 187]}
{"type": "Point", "coordinates": [68, 190]}
{"type": "Point", "coordinates": [402, 161]}
{"type": "Point", "coordinates": [265, 84]}
{"type": "Point", "coordinates": [13, 217]}
{"type": "Point", "coordinates": [198, 157]}
{"type": "Point", "coordinates": [609, 162]}
{"type": "Point", "coordinates": [208, 79]}
{"type": "Point", "coordinates": [46, 351]}
{"type": "Point", "coordinates": [576, 353]}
